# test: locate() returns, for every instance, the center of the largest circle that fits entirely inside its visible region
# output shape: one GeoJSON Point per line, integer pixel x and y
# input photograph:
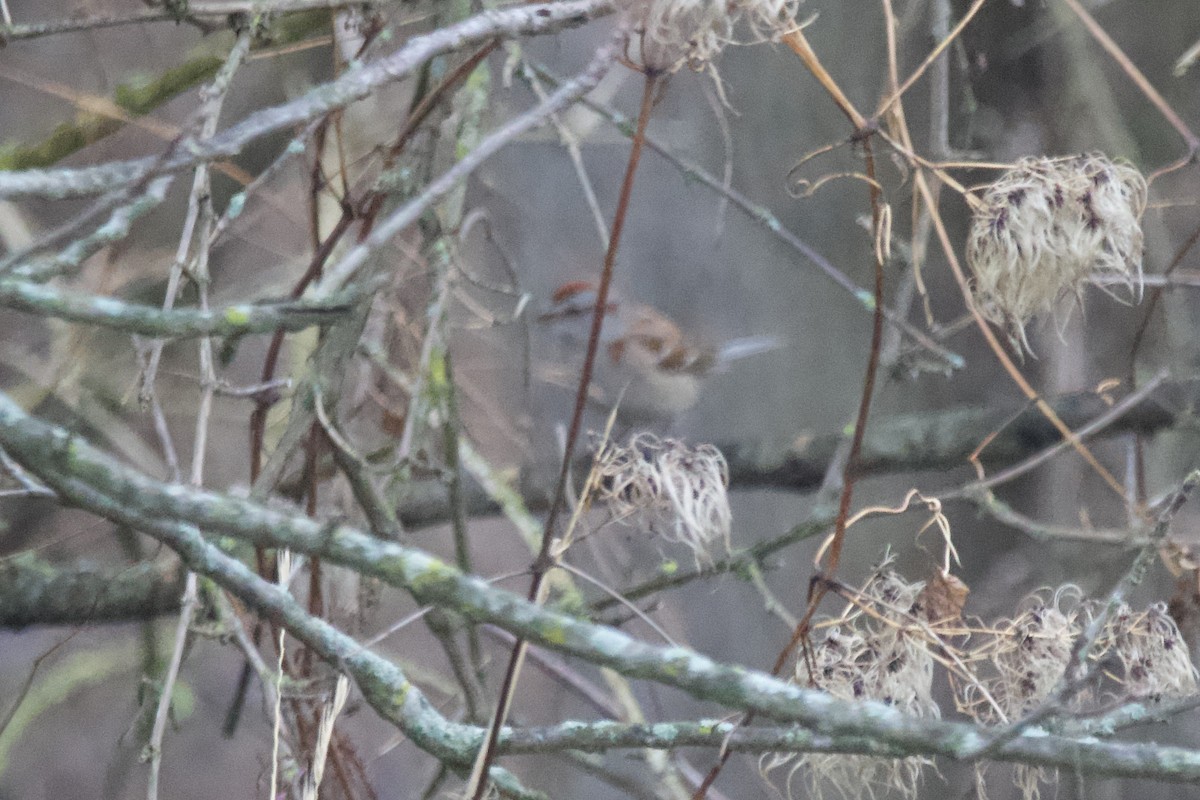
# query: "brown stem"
{"type": "Point", "coordinates": [543, 563]}
{"type": "Point", "coordinates": [1143, 84]}
{"type": "Point", "coordinates": [368, 209]}
{"type": "Point", "coordinates": [822, 581]}
{"type": "Point", "coordinates": [374, 202]}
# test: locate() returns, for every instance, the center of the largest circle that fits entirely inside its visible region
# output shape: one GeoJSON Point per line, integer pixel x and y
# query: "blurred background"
{"type": "Point", "coordinates": [1023, 79]}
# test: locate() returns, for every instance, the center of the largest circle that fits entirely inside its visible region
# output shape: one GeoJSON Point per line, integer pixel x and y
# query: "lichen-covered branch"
{"type": "Point", "coordinates": [84, 476]}
{"type": "Point", "coordinates": [134, 99]}
{"type": "Point", "coordinates": [182, 323]}
{"type": "Point", "coordinates": [355, 84]}
{"type": "Point", "coordinates": [384, 685]}
{"type": "Point", "coordinates": [944, 439]}
{"type": "Point", "coordinates": [339, 274]}
{"type": "Point", "coordinates": [35, 592]}
{"type": "Point", "coordinates": [125, 208]}
{"type": "Point", "coordinates": [36, 30]}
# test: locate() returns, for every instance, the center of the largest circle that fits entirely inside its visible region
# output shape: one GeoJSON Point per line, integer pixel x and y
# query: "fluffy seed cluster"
{"type": "Point", "coordinates": [673, 33]}
{"type": "Point", "coordinates": [1026, 657]}
{"type": "Point", "coordinates": [1048, 226]}
{"type": "Point", "coordinates": [1019, 662]}
{"type": "Point", "coordinates": [884, 645]}
{"type": "Point", "coordinates": [678, 490]}
{"type": "Point", "coordinates": [1153, 656]}
{"type": "Point", "coordinates": [877, 651]}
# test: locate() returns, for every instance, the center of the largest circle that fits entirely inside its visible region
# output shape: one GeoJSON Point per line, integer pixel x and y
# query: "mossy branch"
{"type": "Point", "coordinates": [173, 514]}
{"type": "Point", "coordinates": [36, 592]}
{"type": "Point", "coordinates": [937, 440]}
{"type": "Point", "coordinates": [180, 323]}
{"type": "Point", "coordinates": [353, 85]}
{"type": "Point", "coordinates": [140, 97]}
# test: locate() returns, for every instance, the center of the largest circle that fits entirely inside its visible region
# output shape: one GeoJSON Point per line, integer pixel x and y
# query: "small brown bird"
{"type": "Point", "coordinates": [646, 362]}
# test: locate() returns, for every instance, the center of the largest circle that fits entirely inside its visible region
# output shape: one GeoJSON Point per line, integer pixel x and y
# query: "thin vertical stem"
{"type": "Point", "coordinates": [544, 562]}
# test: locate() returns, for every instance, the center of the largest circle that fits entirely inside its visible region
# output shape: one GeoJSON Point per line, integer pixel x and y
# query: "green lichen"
{"type": "Point", "coordinates": [142, 95]}
{"type": "Point", "coordinates": [674, 663]}
{"type": "Point", "coordinates": [432, 575]}
{"type": "Point", "coordinates": [65, 139]}
{"type": "Point", "coordinates": [235, 315]}
{"type": "Point", "coordinates": [569, 600]}
{"type": "Point", "coordinates": [28, 563]}
{"type": "Point", "coordinates": [554, 634]}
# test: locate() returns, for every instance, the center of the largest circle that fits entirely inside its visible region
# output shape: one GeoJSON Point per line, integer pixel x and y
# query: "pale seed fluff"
{"type": "Point", "coordinates": [1047, 227]}
{"type": "Point", "coordinates": [1020, 663]}
{"type": "Point", "coordinates": [674, 33]}
{"type": "Point", "coordinates": [679, 491]}
{"type": "Point", "coordinates": [876, 651]}
{"type": "Point", "coordinates": [1154, 659]}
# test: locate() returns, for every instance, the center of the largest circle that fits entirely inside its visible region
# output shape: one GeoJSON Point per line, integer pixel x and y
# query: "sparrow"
{"type": "Point", "coordinates": [647, 365]}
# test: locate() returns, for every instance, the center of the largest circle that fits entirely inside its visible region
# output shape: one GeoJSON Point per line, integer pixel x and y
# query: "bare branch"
{"type": "Point", "coordinates": [354, 85]}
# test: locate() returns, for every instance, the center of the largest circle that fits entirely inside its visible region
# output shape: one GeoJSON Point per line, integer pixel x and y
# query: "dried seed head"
{"type": "Point", "coordinates": [902, 672]}
{"type": "Point", "coordinates": [877, 652]}
{"type": "Point", "coordinates": [1019, 663]}
{"type": "Point", "coordinates": [1048, 226]}
{"type": "Point", "coordinates": [1026, 656]}
{"type": "Point", "coordinates": [693, 32]}
{"type": "Point", "coordinates": [848, 777]}
{"type": "Point", "coordinates": [680, 491]}
{"type": "Point", "coordinates": [1155, 663]}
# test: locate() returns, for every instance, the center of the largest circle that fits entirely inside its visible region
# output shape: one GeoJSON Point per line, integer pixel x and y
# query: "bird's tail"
{"type": "Point", "coordinates": [745, 346]}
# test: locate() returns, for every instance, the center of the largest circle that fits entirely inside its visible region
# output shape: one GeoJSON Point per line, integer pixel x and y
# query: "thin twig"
{"type": "Point", "coordinates": [542, 564]}
{"type": "Point", "coordinates": [933, 55]}
{"type": "Point", "coordinates": [386, 230]}
{"type": "Point", "coordinates": [763, 216]}
{"type": "Point", "coordinates": [199, 215]}
{"type": "Point", "coordinates": [1135, 75]}
{"type": "Point", "coordinates": [36, 30]}
{"type": "Point", "coordinates": [821, 582]}
{"type": "Point", "coordinates": [1118, 410]}
{"type": "Point", "coordinates": [1042, 531]}
{"type": "Point", "coordinates": [571, 142]}
{"type": "Point", "coordinates": [349, 88]}
{"type": "Point", "coordinates": [209, 114]}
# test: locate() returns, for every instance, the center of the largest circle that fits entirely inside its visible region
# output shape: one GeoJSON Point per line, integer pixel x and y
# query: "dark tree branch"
{"type": "Point", "coordinates": [939, 440]}
{"type": "Point", "coordinates": [36, 592]}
